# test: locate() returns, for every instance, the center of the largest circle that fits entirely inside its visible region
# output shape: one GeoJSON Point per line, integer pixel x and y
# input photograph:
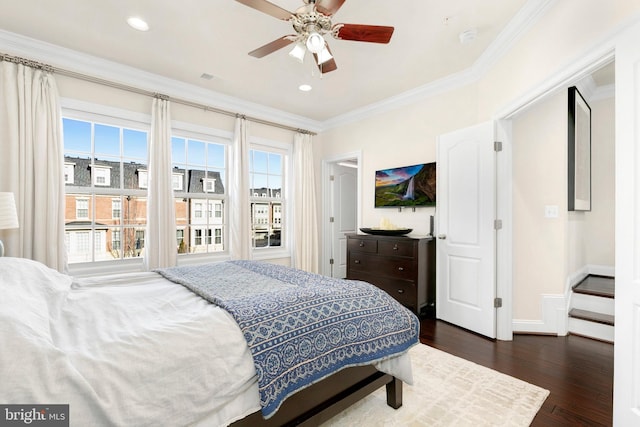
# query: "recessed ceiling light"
{"type": "Point", "coordinates": [138, 23]}
{"type": "Point", "coordinates": [305, 88]}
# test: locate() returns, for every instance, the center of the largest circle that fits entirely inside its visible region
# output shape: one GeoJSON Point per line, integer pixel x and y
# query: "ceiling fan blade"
{"type": "Point", "coordinates": [272, 47]}
{"type": "Point", "coordinates": [362, 33]}
{"type": "Point", "coordinates": [328, 66]}
{"type": "Point", "coordinates": [268, 8]}
{"type": "Point", "coordinates": [329, 7]}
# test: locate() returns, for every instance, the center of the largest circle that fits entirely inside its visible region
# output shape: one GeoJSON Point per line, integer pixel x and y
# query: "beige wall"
{"type": "Point", "coordinates": [600, 223]}
{"type": "Point", "coordinates": [402, 137]}
{"type": "Point", "coordinates": [539, 180]}
{"type": "Point", "coordinates": [565, 33]}
{"type": "Point", "coordinates": [550, 251]}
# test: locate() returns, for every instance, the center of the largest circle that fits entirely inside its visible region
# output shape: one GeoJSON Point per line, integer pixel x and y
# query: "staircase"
{"type": "Point", "coordinates": [592, 308]}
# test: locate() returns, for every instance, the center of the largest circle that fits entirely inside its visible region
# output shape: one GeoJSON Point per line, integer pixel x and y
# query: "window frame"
{"type": "Point", "coordinates": [112, 116]}
{"type": "Point", "coordinates": [286, 201]}
{"type": "Point", "coordinates": [109, 116]}
{"type": "Point", "coordinates": [205, 134]}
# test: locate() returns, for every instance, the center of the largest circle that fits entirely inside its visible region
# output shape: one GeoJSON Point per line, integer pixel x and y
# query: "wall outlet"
{"type": "Point", "coordinates": [551, 211]}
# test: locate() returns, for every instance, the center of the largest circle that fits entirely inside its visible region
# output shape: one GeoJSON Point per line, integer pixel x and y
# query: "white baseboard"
{"type": "Point", "coordinates": [554, 318]}
{"type": "Point", "coordinates": [555, 308]}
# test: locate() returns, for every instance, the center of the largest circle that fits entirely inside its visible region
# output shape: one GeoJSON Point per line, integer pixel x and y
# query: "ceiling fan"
{"type": "Point", "coordinates": [311, 22]}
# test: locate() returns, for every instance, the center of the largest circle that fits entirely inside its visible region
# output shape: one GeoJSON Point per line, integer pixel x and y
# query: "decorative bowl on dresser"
{"type": "Point", "coordinates": [402, 266]}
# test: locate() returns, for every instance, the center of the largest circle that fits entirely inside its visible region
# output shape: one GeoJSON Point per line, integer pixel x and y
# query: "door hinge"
{"type": "Point", "coordinates": [332, 178]}
{"type": "Point", "coordinates": [497, 302]}
{"type": "Point", "coordinates": [497, 224]}
{"type": "Point", "coordinates": [331, 219]}
{"type": "Point", "coordinates": [331, 261]}
{"type": "Point", "coordinates": [497, 146]}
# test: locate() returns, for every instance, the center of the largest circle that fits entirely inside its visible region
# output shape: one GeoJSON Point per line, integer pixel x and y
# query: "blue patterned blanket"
{"type": "Point", "coordinates": [301, 327]}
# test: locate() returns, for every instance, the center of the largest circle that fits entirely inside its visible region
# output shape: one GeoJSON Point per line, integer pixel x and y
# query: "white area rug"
{"type": "Point", "coordinates": [449, 391]}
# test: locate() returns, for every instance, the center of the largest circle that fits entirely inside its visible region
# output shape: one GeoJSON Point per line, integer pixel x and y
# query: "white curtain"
{"type": "Point", "coordinates": [305, 216]}
{"type": "Point", "coordinates": [239, 212]}
{"type": "Point", "coordinates": [32, 163]}
{"type": "Point", "coordinates": [161, 245]}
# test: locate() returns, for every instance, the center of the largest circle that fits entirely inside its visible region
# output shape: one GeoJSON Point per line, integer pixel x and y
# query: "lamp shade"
{"type": "Point", "coordinates": [315, 42]}
{"type": "Point", "coordinates": [324, 56]}
{"type": "Point", "coordinates": [8, 213]}
{"type": "Point", "coordinates": [298, 52]}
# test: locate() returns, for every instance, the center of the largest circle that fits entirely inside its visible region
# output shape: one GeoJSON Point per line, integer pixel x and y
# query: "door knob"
{"type": "Point", "coordinates": [442, 236]}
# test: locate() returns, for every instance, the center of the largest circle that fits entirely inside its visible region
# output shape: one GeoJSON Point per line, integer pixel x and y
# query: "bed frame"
{"type": "Point", "coordinates": [321, 401]}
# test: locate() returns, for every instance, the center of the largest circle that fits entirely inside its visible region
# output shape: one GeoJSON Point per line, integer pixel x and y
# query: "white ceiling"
{"type": "Point", "coordinates": [191, 37]}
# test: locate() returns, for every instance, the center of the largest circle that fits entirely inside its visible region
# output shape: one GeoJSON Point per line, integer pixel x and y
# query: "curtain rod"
{"type": "Point", "coordinates": [121, 86]}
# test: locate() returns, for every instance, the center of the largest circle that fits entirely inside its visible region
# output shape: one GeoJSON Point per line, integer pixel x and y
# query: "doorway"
{"type": "Point", "coordinates": [341, 190]}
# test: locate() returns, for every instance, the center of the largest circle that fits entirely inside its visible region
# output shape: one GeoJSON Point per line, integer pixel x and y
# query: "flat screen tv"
{"type": "Point", "coordinates": [406, 186]}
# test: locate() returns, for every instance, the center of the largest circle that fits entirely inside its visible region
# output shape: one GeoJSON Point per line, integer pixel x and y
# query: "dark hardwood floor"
{"type": "Point", "coordinates": [577, 371]}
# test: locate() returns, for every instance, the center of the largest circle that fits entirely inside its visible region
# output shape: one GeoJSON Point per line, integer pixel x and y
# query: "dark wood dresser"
{"type": "Point", "coordinates": [404, 267]}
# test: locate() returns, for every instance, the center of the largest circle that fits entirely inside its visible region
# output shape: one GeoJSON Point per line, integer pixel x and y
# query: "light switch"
{"type": "Point", "coordinates": [551, 211]}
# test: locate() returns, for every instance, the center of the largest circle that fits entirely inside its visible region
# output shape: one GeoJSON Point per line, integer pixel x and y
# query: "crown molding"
{"type": "Point", "coordinates": [412, 96]}
{"type": "Point", "coordinates": [524, 19]}
{"type": "Point", "coordinates": [93, 66]}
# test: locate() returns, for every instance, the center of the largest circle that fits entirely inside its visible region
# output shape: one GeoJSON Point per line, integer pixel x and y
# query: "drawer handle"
{"type": "Point", "coordinates": [356, 261]}
{"type": "Point", "coordinates": [400, 268]}
{"type": "Point", "coordinates": [401, 291]}
{"type": "Point", "coordinates": [361, 244]}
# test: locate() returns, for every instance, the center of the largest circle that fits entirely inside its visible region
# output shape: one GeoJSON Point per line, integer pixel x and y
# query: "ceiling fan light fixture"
{"type": "Point", "coordinates": [324, 55]}
{"type": "Point", "coordinates": [315, 42]}
{"type": "Point", "coordinates": [298, 52]}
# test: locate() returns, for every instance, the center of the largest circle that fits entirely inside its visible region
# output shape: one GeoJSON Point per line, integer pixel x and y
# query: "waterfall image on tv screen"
{"type": "Point", "coordinates": [406, 186]}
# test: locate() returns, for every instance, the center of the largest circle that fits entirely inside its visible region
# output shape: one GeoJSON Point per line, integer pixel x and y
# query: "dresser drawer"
{"type": "Point", "coordinates": [362, 245]}
{"type": "Point", "coordinates": [404, 291]}
{"type": "Point", "coordinates": [402, 268]}
{"type": "Point", "coordinates": [406, 248]}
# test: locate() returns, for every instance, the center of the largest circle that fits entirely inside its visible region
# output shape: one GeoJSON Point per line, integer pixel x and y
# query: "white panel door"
{"type": "Point", "coordinates": [626, 393]}
{"type": "Point", "coordinates": [345, 202]}
{"type": "Point", "coordinates": [466, 237]}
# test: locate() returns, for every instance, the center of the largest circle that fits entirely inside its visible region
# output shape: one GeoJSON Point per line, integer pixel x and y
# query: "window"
{"type": "Point", "coordinates": [209, 185]}
{"type": "Point", "coordinates": [69, 171]}
{"type": "Point", "coordinates": [115, 240]}
{"type": "Point", "coordinates": [104, 155]}
{"type": "Point", "coordinates": [116, 208]}
{"type": "Point", "coordinates": [82, 208]}
{"type": "Point", "coordinates": [143, 179]}
{"type": "Point", "coordinates": [176, 181]}
{"type": "Point", "coordinates": [139, 244]}
{"type": "Point", "coordinates": [197, 210]}
{"type": "Point", "coordinates": [200, 167]}
{"type": "Point", "coordinates": [101, 175]}
{"type": "Point", "coordinates": [266, 171]}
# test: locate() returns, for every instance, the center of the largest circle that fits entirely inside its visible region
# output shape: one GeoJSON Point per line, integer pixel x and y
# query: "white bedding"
{"type": "Point", "coordinates": [131, 349]}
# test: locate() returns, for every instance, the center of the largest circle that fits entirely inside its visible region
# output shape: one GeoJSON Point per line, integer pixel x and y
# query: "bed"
{"type": "Point", "coordinates": [140, 349]}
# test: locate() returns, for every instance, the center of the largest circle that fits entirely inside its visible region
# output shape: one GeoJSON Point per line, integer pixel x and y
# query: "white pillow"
{"type": "Point", "coordinates": [31, 293]}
